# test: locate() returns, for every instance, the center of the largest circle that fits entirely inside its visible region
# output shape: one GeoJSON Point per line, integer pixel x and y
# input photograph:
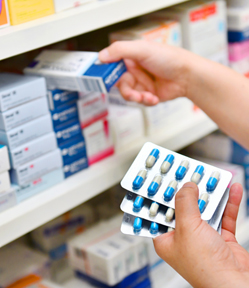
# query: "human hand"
{"type": "Point", "coordinates": [197, 252]}
{"type": "Point", "coordinates": [156, 72]}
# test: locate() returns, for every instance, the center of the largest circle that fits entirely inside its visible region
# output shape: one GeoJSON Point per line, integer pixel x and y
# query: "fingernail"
{"type": "Point", "coordinates": [155, 100]}
{"type": "Point", "coordinates": [104, 54]}
{"type": "Point", "coordinates": [189, 185]}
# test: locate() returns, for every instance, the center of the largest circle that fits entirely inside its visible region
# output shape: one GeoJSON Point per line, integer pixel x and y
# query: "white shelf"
{"type": "Point", "coordinates": [73, 22]}
{"type": "Point", "coordinates": [79, 188]}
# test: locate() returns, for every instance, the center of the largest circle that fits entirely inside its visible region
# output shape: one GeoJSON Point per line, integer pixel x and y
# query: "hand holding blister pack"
{"type": "Point", "coordinates": [152, 182]}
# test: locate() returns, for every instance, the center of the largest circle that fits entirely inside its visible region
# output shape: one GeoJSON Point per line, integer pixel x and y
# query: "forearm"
{"type": "Point", "coordinates": [223, 95]}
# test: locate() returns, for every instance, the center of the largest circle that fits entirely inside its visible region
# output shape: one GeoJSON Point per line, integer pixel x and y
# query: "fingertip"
{"type": "Point", "coordinates": [190, 185]}
{"type": "Point", "coordinates": [149, 99]}
{"type": "Point", "coordinates": [104, 55]}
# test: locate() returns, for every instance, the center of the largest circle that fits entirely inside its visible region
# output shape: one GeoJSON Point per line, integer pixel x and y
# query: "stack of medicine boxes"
{"type": "Point", "coordinates": [26, 128]}
{"type": "Point", "coordinates": [64, 112]}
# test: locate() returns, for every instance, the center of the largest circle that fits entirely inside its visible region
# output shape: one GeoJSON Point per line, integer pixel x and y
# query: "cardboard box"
{"type": "Point", "coordinates": [238, 3]}
{"type": "Point", "coordinates": [61, 5]}
{"type": "Point", "coordinates": [75, 166]}
{"type": "Point", "coordinates": [27, 10]}
{"type": "Point", "coordinates": [17, 89]}
{"type": "Point", "coordinates": [238, 51]}
{"type": "Point", "coordinates": [238, 36]}
{"type": "Point", "coordinates": [238, 18]}
{"type": "Point", "coordinates": [4, 14]}
{"type": "Point", "coordinates": [4, 181]}
{"type": "Point", "coordinates": [26, 132]}
{"type": "Point", "coordinates": [58, 98]}
{"type": "Point", "coordinates": [33, 281]}
{"type": "Point", "coordinates": [76, 71]}
{"type": "Point", "coordinates": [68, 131]}
{"type": "Point", "coordinates": [23, 113]}
{"type": "Point", "coordinates": [36, 168]}
{"type": "Point", "coordinates": [7, 199]}
{"type": "Point", "coordinates": [4, 156]}
{"type": "Point", "coordinates": [33, 149]}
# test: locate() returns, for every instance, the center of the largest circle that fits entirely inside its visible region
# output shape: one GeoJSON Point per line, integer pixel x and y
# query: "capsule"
{"type": "Point", "coordinates": [170, 229]}
{"type": "Point", "coordinates": [139, 180]}
{"type": "Point", "coordinates": [182, 169]}
{"type": "Point", "coordinates": [137, 225]}
{"type": "Point", "coordinates": [196, 177]}
{"type": "Point", "coordinates": [202, 202]}
{"type": "Point", "coordinates": [169, 193]}
{"type": "Point", "coordinates": [213, 181]}
{"type": "Point", "coordinates": [154, 209]}
{"type": "Point", "coordinates": [154, 185]}
{"type": "Point", "coordinates": [154, 228]}
{"type": "Point", "coordinates": [138, 204]}
{"type": "Point", "coordinates": [151, 160]}
{"type": "Point", "coordinates": [167, 163]}
{"type": "Point", "coordinates": [169, 214]}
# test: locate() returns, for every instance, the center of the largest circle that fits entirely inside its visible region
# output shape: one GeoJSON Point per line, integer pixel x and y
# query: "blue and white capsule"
{"type": "Point", "coordinates": [154, 228]}
{"type": "Point", "coordinates": [151, 160]}
{"type": "Point", "coordinates": [169, 214]}
{"type": "Point", "coordinates": [170, 191]}
{"type": "Point", "coordinates": [154, 185]}
{"type": "Point", "coordinates": [182, 170]}
{"type": "Point", "coordinates": [138, 204]}
{"type": "Point", "coordinates": [196, 177]}
{"type": "Point", "coordinates": [167, 163]}
{"type": "Point", "coordinates": [137, 225]}
{"type": "Point", "coordinates": [213, 181]}
{"type": "Point", "coordinates": [202, 202]}
{"type": "Point", "coordinates": [154, 209]}
{"type": "Point", "coordinates": [139, 180]}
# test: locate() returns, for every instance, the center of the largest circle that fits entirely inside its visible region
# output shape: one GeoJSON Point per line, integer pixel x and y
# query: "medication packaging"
{"type": "Point", "coordinates": [238, 18]}
{"type": "Point", "coordinates": [67, 131]}
{"type": "Point", "coordinates": [17, 89]}
{"type": "Point", "coordinates": [75, 166]}
{"type": "Point", "coordinates": [58, 98]}
{"type": "Point", "coordinates": [61, 5]}
{"type": "Point", "coordinates": [4, 14]}
{"type": "Point", "coordinates": [26, 10]}
{"type": "Point", "coordinates": [7, 199]}
{"type": "Point", "coordinates": [157, 174]}
{"type": "Point", "coordinates": [33, 281]}
{"type": "Point", "coordinates": [36, 168]}
{"type": "Point", "coordinates": [4, 156]}
{"type": "Point", "coordinates": [4, 181]}
{"type": "Point", "coordinates": [23, 113]}
{"type": "Point", "coordinates": [238, 3]}
{"type": "Point", "coordinates": [26, 132]}
{"type": "Point", "coordinates": [76, 71]}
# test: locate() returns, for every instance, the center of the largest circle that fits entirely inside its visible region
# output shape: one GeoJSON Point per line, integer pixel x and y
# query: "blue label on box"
{"type": "Point", "coordinates": [58, 98]}
{"type": "Point", "coordinates": [110, 73]}
{"type": "Point", "coordinates": [238, 36]}
{"type": "Point", "coordinates": [64, 114]}
{"type": "Point", "coordinates": [75, 166]}
{"type": "Point", "coordinates": [67, 131]}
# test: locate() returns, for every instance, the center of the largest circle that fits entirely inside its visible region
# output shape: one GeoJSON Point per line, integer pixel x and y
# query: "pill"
{"type": "Point", "coordinates": [167, 163]}
{"type": "Point", "coordinates": [213, 180]}
{"type": "Point", "coordinates": [154, 209]}
{"type": "Point", "coordinates": [202, 202]}
{"type": "Point", "coordinates": [154, 228]}
{"type": "Point", "coordinates": [196, 177]}
{"type": "Point", "coordinates": [154, 185]}
{"type": "Point", "coordinates": [152, 158]}
{"type": "Point", "coordinates": [169, 193]}
{"type": "Point", "coordinates": [182, 169]}
{"type": "Point", "coordinates": [139, 180]}
{"type": "Point", "coordinates": [137, 225]}
{"type": "Point", "coordinates": [169, 214]}
{"type": "Point", "coordinates": [170, 229]}
{"type": "Point", "coordinates": [138, 204]}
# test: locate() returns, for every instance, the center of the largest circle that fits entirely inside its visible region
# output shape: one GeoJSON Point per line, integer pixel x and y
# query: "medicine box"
{"type": "Point", "coordinates": [26, 132]}
{"type": "Point", "coordinates": [238, 51]}
{"type": "Point", "coordinates": [23, 113]}
{"type": "Point", "coordinates": [26, 10]}
{"type": "Point", "coordinates": [238, 3]}
{"type": "Point", "coordinates": [36, 168]}
{"type": "Point", "coordinates": [238, 18]}
{"type": "Point", "coordinates": [92, 107]}
{"type": "Point", "coordinates": [61, 5]}
{"type": "Point", "coordinates": [58, 98]}
{"type": "Point", "coordinates": [33, 281]}
{"type": "Point", "coordinates": [17, 89]}
{"type": "Point", "coordinates": [4, 156]}
{"type": "Point", "coordinates": [99, 143]}
{"type": "Point", "coordinates": [76, 71]}
{"type": "Point", "coordinates": [75, 166]}
{"type": "Point", "coordinates": [38, 185]}
{"type": "Point", "coordinates": [165, 31]}
{"type": "Point", "coordinates": [4, 14]}
{"type": "Point", "coordinates": [33, 149]}
{"type": "Point", "coordinates": [4, 181]}
{"type": "Point", "coordinates": [7, 199]}
{"type": "Point", "coordinates": [67, 131]}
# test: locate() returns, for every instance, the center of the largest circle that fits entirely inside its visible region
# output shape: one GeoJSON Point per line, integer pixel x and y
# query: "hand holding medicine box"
{"type": "Point", "coordinates": [155, 177]}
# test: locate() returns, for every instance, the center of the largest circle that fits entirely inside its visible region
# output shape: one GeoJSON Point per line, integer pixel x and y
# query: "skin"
{"type": "Point", "coordinates": [158, 73]}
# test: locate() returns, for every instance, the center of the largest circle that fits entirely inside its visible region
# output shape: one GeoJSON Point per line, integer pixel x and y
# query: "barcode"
{"type": "Point", "coordinates": [91, 85]}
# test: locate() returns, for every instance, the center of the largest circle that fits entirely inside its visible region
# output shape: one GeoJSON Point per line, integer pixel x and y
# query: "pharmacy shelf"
{"type": "Point", "coordinates": [79, 188]}
{"type": "Point", "coordinates": [73, 22]}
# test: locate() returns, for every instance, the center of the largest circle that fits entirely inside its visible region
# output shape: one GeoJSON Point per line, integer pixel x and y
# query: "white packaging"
{"type": "Point", "coordinates": [7, 199]}
{"type": "Point", "coordinates": [238, 3]}
{"type": "Point", "coordinates": [166, 32]}
{"type": "Point", "coordinates": [26, 132]}
{"type": "Point", "coordinates": [23, 113]}
{"type": "Point", "coordinates": [238, 18]}
{"type": "Point", "coordinates": [4, 181]}
{"type": "Point", "coordinates": [122, 121]}
{"type": "Point", "coordinates": [33, 149]}
{"type": "Point", "coordinates": [92, 107]}
{"type": "Point", "coordinates": [98, 138]}
{"type": "Point", "coordinates": [17, 89]}
{"type": "Point", "coordinates": [36, 168]}
{"type": "Point", "coordinates": [4, 156]}
{"type": "Point", "coordinates": [61, 5]}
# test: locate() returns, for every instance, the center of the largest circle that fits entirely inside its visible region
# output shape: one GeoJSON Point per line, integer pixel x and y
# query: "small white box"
{"type": "Point", "coordinates": [27, 132]}
{"type": "Point", "coordinates": [4, 181]}
{"type": "Point", "coordinates": [7, 199]}
{"type": "Point", "coordinates": [33, 149]}
{"type": "Point", "coordinates": [98, 138]}
{"type": "Point", "coordinates": [92, 107]}
{"type": "Point", "coordinates": [17, 89]}
{"type": "Point", "coordinates": [61, 5]}
{"type": "Point", "coordinates": [23, 113]}
{"type": "Point", "coordinates": [36, 168]}
{"type": "Point", "coordinates": [4, 156]}
{"type": "Point", "coordinates": [238, 18]}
